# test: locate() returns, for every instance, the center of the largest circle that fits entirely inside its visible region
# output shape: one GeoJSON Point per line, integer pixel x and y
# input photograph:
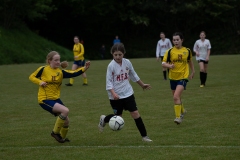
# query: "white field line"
{"type": "Point", "coordinates": [121, 147]}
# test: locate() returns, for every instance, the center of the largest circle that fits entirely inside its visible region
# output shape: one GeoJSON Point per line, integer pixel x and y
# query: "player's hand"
{"type": "Point", "coordinates": [207, 58]}
{"type": "Point", "coordinates": [43, 84]}
{"type": "Point", "coordinates": [197, 54]}
{"type": "Point", "coordinates": [87, 65]}
{"type": "Point", "coordinates": [146, 86]}
{"type": "Point", "coordinates": [171, 66]}
{"type": "Point", "coordinates": [191, 75]}
{"type": "Point", "coordinates": [115, 96]}
{"type": "Point", "coordinates": [75, 57]}
{"type": "Point", "coordinates": [157, 59]}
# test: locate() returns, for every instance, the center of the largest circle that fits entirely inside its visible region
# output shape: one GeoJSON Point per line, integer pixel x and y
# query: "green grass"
{"type": "Point", "coordinates": [210, 129]}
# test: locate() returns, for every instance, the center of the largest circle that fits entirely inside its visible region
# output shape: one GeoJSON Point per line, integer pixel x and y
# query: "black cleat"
{"type": "Point", "coordinates": [69, 84]}
{"type": "Point", "coordinates": [84, 84]}
{"type": "Point", "coordinates": [58, 137]}
{"type": "Point", "coordinates": [66, 140]}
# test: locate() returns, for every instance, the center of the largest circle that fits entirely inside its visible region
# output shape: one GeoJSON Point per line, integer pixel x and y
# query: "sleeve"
{"type": "Point", "coordinates": [33, 77]}
{"type": "Point", "coordinates": [82, 51]}
{"type": "Point", "coordinates": [195, 47]}
{"type": "Point", "coordinates": [109, 78]}
{"type": "Point", "coordinates": [209, 45]}
{"type": "Point", "coordinates": [132, 74]}
{"type": "Point", "coordinates": [157, 50]}
{"type": "Point", "coordinates": [71, 73]}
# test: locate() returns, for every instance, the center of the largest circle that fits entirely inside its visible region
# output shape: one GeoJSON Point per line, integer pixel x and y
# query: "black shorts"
{"type": "Point", "coordinates": [125, 103]}
{"type": "Point", "coordinates": [205, 62]}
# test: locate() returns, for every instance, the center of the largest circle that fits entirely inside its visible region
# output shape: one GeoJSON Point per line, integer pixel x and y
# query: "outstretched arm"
{"type": "Point", "coordinates": [75, 73]}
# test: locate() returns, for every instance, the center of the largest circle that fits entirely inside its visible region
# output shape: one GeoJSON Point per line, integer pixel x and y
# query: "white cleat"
{"type": "Point", "coordinates": [146, 139]}
{"type": "Point", "coordinates": [178, 120]}
{"type": "Point", "coordinates": [182, 114]}
{"type": "Point", "coordinates": [101, 123]}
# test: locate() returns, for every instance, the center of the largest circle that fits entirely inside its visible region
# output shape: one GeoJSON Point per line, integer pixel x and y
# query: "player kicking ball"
{"type": "Point", "coordinates": [120, 91]}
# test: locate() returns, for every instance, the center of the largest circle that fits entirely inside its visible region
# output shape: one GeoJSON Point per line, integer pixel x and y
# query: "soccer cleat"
{"type": "Point", "coordinates": [201, 86]}
{"type": "Point", "coordinates": [84, 84]}
{"type": "Point", "coordinates": [57, 137]}
{"type": "Point", "coordinates": [69, 84]}
{"type": "Point", "coordinates": [66, 140]}
{"type": "Point", "coordinates": [101, 123]}
{"type": "Point", "coordinates": [182, 114]}
{"type": "Point", "coordinates": [178, 120]}
{"type": "Point", "coordinates": [146, 139]}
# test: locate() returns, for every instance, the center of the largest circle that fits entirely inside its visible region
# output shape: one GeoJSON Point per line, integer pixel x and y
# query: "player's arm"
{"type": "Point", "coordinates": [143, 85]}
{"type": "Point", "coordinates": [208, 51]}
{"type": "Point", "coordinates": [165, 64]}
{"type": "Point", "coordinates": [190, 63]}
{"type": "Point", "coordinates": [195, 49]}
{"type": "Point", "coordinates": [82, 51]}
{"type": "Point", "coordinates": [75, 73]}
{"type": "Point", "coordinates": [109, 82]}
{"type": "Point", "coordinates": [157, 51]}
{"type": "Point", "coordinates": [33, 77]}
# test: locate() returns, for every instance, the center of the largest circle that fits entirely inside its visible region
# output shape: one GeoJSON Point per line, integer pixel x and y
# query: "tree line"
{"type": "Point", "coordinates": [136, 22]}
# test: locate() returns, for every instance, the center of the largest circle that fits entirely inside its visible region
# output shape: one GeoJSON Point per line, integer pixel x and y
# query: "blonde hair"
{"type": "Point", "coordinates": [50, 56]}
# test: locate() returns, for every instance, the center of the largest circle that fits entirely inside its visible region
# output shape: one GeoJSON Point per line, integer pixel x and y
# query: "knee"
{"type": "Point", "coordinates": [176, 98]}
{"type": "Point", "coordinates": [65, 111]}
{"type": "Point", "coordinates": [202, 70]}
{"type": "Point", "coordinates": [66, 123]}
{"type": "Point", "coordinates": [135, 114]}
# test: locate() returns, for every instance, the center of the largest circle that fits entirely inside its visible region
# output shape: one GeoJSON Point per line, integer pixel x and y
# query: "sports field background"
{"type": "Point", "coordinates": [210, 129]}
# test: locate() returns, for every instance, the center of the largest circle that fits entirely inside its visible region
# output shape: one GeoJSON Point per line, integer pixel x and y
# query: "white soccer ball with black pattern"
{"type": "Point", "coordinates": [116, 123]}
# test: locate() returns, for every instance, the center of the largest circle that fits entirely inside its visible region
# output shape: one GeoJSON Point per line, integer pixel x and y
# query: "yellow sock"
{"type": "Point", "coordinates": [58, 125]}
{"type": "Point", "coordinates": [64, 131]}
{"type": "Point", "coordinates": [182, 108]}
{"type": "Point", "coordinates": [85, 80]}
{"type": "Point", "coordinates": [71, 80]}
{"type": "Point", "coordinates": [177, 108]}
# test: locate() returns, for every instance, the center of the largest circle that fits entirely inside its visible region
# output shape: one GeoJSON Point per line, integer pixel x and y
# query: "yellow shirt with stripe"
{"type": "Point", "coordinates": [179, 58]}
{"type": "Point", "coordinates": [78, 50]}
{"type": "Point", "coordinates": [53, 78]}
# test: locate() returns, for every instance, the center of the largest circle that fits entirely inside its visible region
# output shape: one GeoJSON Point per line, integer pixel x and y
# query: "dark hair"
{"type": "Point", "coordinates": [203, 32]}
{"type": "Point", "coordinates": [118, 47]}
{"type": "Point", "coordinates": [162, 33]}
{"type": "Point", "coordinates": [178, 34]}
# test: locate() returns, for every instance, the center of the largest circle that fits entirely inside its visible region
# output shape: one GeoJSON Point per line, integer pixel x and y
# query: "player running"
{"type": "Point", "coordinates": [178, 59]}
{"type": "Point", "coordinates": [120, 91]}
{"type": "Point", "coordinates": [202, 49]}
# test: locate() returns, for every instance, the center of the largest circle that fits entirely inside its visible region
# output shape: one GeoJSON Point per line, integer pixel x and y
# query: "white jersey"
{"type": "Point", "coordinates": [202, 48]}
{"type": "Point", "coordinates": [118, 77]}
{"type": "Point", "coordinates": [162, 46]}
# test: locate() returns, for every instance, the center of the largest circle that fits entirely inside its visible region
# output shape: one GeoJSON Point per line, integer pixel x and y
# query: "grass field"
{"type": "Point", "coordinates": [210, 130]}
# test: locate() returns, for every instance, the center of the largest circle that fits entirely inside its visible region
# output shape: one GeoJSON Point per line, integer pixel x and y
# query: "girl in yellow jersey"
{"type": "Point", "coordinates": [178, 59]}
{"type": "Point", "coordinates": [49, 78]}
{"type": "Point", "coordinates": [79, 61]}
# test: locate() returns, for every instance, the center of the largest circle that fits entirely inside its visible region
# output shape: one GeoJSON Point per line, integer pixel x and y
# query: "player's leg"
{"type": "Point", "coordinates": [85, 82]}
{"type": "Point", "coordinates": [117, 110]}
{"type": "Point", "coordinates": [178, 107]}
{"type": "Point", "coordinates": [164, 70]}
{"type": "Point", "coordinates": [205, 72]}
{"type": "Point", "coordinates": [64, 130]}
{"type": "Point", "coordinates": [74, 67]}
{"type": "Point", "coordinates": [201, 67]}
{"type": "Point", "coordinates": [131, 106]}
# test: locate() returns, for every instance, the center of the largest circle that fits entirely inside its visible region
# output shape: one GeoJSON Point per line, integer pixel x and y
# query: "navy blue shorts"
{"type": "Point", "coordinates": [205, 62]}
{"type": "Point", "coordinates": [48, 105]}
{"type": "Point", "coordinates": [80, 63]}
{"type": "Point", "coordinates": [124, 104]}
{"type": "Point", "coordinates": [174, 84]}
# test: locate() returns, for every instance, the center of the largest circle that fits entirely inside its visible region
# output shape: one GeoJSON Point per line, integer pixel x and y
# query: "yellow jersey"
{"type": "Point", "coordinates": [180, 58]}
{"type": "Point", "coordinates": [53, 78]}
{"type": "Point", "coordinates": [78, 50]}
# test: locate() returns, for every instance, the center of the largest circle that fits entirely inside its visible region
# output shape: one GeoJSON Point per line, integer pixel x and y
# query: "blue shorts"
{"type": "Point", "coordinates": [174, 84]}
{"type": "Point", "coordinates": [48, 105]}
{"type": "Point", "coordinates": [80, 63]}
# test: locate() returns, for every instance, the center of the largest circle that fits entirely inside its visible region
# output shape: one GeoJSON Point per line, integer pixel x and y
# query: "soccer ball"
{"type": "Point", "coordinates": [116, 123]}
